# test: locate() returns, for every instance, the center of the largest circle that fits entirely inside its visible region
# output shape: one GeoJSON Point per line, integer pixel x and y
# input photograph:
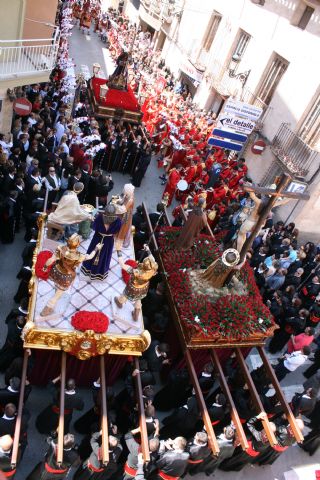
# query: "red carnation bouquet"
{"type": "Point", "coordinates": [96, 321]}
{"type": "Point", "coordinates": [126, 275]}
{"type": "Point", "coordinates": [41, 260]}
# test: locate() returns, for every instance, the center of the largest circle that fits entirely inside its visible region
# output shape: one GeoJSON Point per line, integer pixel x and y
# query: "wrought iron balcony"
{"type": "Point", "coordinates": [158, 13]}
{"type": "Point", "coordinates": [294, 155]}
{"type": "Point", "coordinates": [27, 57]}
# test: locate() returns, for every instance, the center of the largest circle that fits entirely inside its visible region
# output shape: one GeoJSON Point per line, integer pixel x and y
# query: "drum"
{"type": "Point", "coordinates": [182, 185]}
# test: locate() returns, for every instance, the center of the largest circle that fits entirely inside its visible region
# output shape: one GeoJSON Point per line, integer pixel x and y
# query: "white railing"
{"type": "Point", "coordinates": [28, 56]}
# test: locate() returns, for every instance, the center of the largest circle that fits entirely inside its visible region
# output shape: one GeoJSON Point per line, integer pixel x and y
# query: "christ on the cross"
{"type": "Point", "coordinates": [261, 209]}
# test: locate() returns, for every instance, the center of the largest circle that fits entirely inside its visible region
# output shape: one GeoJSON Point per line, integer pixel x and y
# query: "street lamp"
{"type": "Point", "coordinates": [243, 77]}
{"type": "Point", "coordinates": [96, 67]}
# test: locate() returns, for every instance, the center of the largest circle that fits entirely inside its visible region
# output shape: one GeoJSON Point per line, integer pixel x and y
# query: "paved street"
{"type": "Point", "coordinates": [85, 50]}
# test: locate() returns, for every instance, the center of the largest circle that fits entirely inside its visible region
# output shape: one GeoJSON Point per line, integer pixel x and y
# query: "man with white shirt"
{"type": "Point", "coordinates": [52, 183]}
{"type": "Point", "coordinates": [6, 443]}
{"type": "Point", "coordinates": [31, 120]}
{"type": "Point", "coordinates": [34, 187]}
{"type": "Point", "coordinates": [290, 362]}
{"type": "Point", "coordinates": [61, 128]}
{"type": "Point", "coordinates": [6, 145]}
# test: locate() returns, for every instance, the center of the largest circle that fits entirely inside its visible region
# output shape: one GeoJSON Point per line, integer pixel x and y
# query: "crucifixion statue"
{"type": "Point", "coordinates": [260, 212]}
{"type": "Point", "coordinates": [251, 225]}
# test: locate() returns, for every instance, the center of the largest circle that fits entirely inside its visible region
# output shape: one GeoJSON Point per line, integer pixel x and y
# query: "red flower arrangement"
{"type": "Point", "coordinates": [125, 274]}
{"type": "Point", "coordinates": [41, 260]}
{"type": "Point", "coordinates": [231, 316]}
{"type": "Point", "coordinates": [96, 321]}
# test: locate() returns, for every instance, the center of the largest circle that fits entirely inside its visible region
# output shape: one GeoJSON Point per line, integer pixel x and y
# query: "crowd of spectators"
{"type": "Point", "coordinates": [44, 155]}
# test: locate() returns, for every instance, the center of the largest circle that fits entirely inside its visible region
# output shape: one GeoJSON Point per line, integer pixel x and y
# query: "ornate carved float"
{"type": "Point", "coordinates": [124, 336]}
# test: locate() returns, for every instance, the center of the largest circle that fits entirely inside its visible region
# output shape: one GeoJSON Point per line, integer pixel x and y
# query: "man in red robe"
{"type": "Point", "coordinates": [190, 172]}
{"type": "Point", "coordinates": [173, 179]}
{"type": "Point", "coordinates": [220, 193]}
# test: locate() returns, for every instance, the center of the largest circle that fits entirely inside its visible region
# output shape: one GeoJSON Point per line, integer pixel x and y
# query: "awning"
{"type": "Point", "coordinates": [190, 70]}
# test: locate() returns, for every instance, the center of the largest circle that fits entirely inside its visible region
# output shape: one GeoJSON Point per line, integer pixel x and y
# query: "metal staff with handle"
{"type": "Point", "coordinates": [153, 230]}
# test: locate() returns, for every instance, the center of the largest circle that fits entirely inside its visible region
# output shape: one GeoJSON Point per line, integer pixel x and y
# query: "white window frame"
{"type": "Point", "coordinates": [211, 31]}
{"type": "Point", "coordinates": [309, 130]}
{"type": "Point", "coordinates": [271, 78]}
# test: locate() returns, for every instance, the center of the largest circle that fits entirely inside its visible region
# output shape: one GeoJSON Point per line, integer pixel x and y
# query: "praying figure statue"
{"type": "Point", "coordinates": [138, 285]}
{"type": "Point", "coordinates": [65, 259]}
{"type": "Point", "coordinates": [196, 221]}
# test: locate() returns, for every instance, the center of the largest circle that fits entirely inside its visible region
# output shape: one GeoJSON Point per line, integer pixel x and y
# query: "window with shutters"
{"type": "Point", "coordinates": [241, 45]}
{"type": "Point", "coordinates": [211, 31]}
{"type": "Point", "coordinates": [305, 17]}
{"type": "Point", "coordinates": [271, 78]}
{"type": "Point", "coordinates": [310, 128]}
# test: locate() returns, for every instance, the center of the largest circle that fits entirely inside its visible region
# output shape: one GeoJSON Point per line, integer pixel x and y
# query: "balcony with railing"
{"type": "Point", "coordinates": [218, 75]}
{"type": "Point", "coordinates": [157, 13]}
{"type": "Point", "coordinates": [28, 57]}
{"type": "Point", "coordinates": [292, 153]}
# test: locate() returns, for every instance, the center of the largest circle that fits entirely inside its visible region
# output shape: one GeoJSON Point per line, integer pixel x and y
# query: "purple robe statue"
{"type": "Point", "coordinates": [98, 267]}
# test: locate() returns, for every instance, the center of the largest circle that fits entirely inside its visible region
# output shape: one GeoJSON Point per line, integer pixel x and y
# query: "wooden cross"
{"type": "Point", "coordinates": [280, 191]}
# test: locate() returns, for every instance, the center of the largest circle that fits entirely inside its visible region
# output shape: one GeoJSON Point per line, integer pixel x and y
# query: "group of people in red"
{"type": "Point", "coordinates": [87, 13]}
{"type": "Point", "coordinates": [182, 137]}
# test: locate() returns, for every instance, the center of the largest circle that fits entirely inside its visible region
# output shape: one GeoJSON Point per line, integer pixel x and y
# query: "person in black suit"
{"type": "Point", "coordinates": [173, 459]}
{"type": "Point", "coordinates": [199, 451]}
{"type": "Point", "coordinates": [217, 409]}
{"type": "Point", "coordinates": [206, 378]}
{"type": "Point", "coordinates": [141, 168]}
{"type": "Point", "coordinates": [27, 252]}
{"type": "Point", "coordinates": [13, 345]}
{"type": "Point", "coordinates": [155, 216]}
{"type": "Point", "coordinates": [11, 393]}
{"type": "Point", "coordinates": [104, 185]}
{"type": "Point", "coordinates": [8, 183]}
{"type": "Point", "coordinates": [85, 178]}
{"type": "Point", "coordinates": [22, 143]}
{"type": "Point", "coordinates": [93, 467]}
{"type": "Point", "coordinates": [75, 178]}
{"type": "Point", "coordinates": [47, 421]}
{"type": "Point", "coordinates": [156, 355]}
{"type": "Point", "coordinates": [304, 403]}
{"type": "Point", "coordinates": [8, 421]}
{"type": "Point", "coordinates": [9, 216]}
{"type": "Point", "coordinates": [138, 218]}
{"type": "Point", "coordinates": [21, 198]}
{"type": "Point", "coordinates": [49, 467]}
{"type": "Point", "coordinates": [183, 421]}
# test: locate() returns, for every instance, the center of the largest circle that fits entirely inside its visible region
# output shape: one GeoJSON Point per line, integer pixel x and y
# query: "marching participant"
{"type": "Point", "coordinates": [49, 468]}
